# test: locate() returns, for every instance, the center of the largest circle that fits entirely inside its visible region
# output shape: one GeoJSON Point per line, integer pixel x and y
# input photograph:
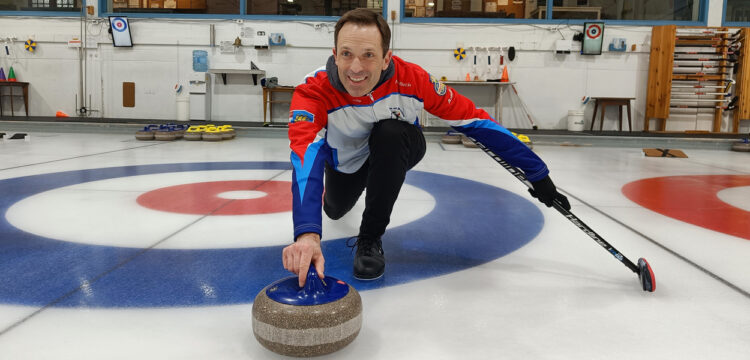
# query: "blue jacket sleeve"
{"type": "Point", "coordinates": [307, 188]}
{"type": "Point", "coordinates": [503, 143]}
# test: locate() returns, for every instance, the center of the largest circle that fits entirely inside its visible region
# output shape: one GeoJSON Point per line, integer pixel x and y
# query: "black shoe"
{"type": "Point", "coordinates": [369, 261]}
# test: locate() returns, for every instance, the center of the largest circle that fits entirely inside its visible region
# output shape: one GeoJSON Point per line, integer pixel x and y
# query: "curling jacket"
{"type": "Point", "coordinates": [326, 124]}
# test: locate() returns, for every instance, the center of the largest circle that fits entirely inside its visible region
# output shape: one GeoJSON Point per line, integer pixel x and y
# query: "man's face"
{"type": "Point", "coordinates": [359, 57]}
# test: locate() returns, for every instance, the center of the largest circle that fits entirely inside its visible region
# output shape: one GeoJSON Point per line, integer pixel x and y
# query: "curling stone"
{"type": "Point", "coordinates": [524, 139]}
{"type": "Point", "coordinates": [165, 133]}
{"type": "Point", "coordinates": [147, 133]}
{"type": "Point", "coordinates": [451, 138]}
{"type": "Point", "coordinates": [227, 133]}
{"type": "Point", "coordinates": [320, 318]}
{"type": "Point", "coordinates": [212, 133]}
{"type": "Point", "coordinates": [179, 130]}
{"type": "Point", "coordinates": [467, 142]}
{"type": "Point", "coordinates": [742, 146]}
{"type": "Point", "coordinates": [194, 133]}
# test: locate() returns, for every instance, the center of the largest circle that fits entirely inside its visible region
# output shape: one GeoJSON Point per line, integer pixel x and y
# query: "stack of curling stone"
{"type": "Point", "coordinates": [210, 133]}
{"type": "Point", "coordinates": [320, 318]}
{"type": "Point", "coordinates": [742, 146]}
{"type": "Point", "coordinates": [164, 132]}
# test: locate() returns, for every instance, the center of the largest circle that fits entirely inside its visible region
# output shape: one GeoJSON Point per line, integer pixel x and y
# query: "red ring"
{"type": "Point", "coordinates": [588, 31]}
{"type": "Point", "coordinates": [202, 198]}
{"type": "Point", "coordinates": [693, 199]}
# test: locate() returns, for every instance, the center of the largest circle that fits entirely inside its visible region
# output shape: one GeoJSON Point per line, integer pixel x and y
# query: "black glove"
{"type": "Point", "coordinates": [545, 191]}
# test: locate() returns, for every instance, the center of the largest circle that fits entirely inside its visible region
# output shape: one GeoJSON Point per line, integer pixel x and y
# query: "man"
{"type": "Point", "coordinates": [355, 120]}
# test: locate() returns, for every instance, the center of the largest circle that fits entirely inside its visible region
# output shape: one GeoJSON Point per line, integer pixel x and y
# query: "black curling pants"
{"type": "Point", "coordinates": [395, 147]}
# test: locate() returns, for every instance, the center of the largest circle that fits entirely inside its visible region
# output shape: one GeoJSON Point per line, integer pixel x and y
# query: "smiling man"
{"type": "Point", "coordinates": [356, 121]}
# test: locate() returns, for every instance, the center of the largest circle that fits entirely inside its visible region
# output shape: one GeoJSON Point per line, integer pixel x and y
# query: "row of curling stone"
{"type": "Point", "coordinates": [210, 133]}
{"type": "Point", "coordinates": [322, 317]}
{"type": "Point", "coordinates": [169, 132]}
{"type": "Point", "coordinates": [164, 132]}
{"type": "Point", "coordinates": [742, 145]}
{"type": "Point", "coordinates": [452, 137]}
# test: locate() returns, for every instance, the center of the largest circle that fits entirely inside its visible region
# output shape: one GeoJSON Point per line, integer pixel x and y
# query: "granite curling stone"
{"type": "Point", "coordinates": [451, 138]}
{"type": "Point", "coordinates": [320, 318]}
{"type": "Point", "coordinates": [468, 143]}
{"type": "Point", "coordinates": [147, 133]}
{"type": "Point", "coordinates": [742, 146]}
{"type": "Point", "coordinates": [194, 133]}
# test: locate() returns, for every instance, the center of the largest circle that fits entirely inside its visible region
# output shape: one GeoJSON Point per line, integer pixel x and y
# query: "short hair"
{"type": "Point", "coordinates": [365, 17]}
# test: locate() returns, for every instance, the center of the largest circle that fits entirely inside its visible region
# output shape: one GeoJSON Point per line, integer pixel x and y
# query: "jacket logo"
{"type": "Point", "coordinates": [396, 112]}
{"type": "Point", "coordinates": [300, 115]}
{"type": "Point", "coordinates": [439, 86]}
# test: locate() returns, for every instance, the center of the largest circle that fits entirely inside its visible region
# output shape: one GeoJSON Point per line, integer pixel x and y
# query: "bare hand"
{"type": "Point", "coordinates": [298, 256]}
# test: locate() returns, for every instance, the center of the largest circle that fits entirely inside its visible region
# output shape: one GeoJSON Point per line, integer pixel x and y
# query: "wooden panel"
{"type": "Point", "coordinates": [128, 94]}
{"type": "Point", "coordinates": [742, 87]}
{"type": "Point", "coordinates": [660, 74]}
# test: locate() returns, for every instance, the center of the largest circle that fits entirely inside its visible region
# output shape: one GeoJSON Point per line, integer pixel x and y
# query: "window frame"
{"type": "Point", "coordinates": [702, 19]}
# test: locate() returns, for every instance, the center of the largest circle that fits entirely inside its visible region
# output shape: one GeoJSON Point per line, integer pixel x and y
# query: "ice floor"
{"type": "Point", "coordinates": [104, 256]}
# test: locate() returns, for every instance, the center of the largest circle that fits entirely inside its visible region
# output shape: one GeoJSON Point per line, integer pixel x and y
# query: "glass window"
{"type": "Point", "coordinates": [310, 7]}
{"type": "Point", "coordinates": [737, 11]}
{"type": "Point", "coordinates": [676, 10]}
{"type": "Point", "coordinates": [40, 5]}
{"type": "Point", "coordinates": [177, 6]}
{"type": "Point", "coordinates": [503, 9]}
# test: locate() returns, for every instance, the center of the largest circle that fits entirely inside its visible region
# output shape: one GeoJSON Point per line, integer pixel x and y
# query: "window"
{"type": "Point", "coordinates": [737, 11]}
{"type": "Point", "coordinates": [254, 7]}
{"type": "Point", "coordinates": [502, 9]}
{"type": "Point", "coordinates": [672, 10]}
{"type": "Point", "coordinates": [676, 10]}
{"type": "Point", "coordinates": [310, 7]}
{"type": "Point", "coordinates": [41, 5]}
{"type": "Point", "coordinates": [177, 6]}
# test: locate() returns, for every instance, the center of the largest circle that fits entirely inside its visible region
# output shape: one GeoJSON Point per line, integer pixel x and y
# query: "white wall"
{"type": "Point", "coordinates": [550, 84]}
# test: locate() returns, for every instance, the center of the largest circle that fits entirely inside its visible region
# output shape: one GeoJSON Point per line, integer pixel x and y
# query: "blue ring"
{"type": "Point", "coordinates": [471, 224]}
{"type": "Point", "coordinates": [124, 24]}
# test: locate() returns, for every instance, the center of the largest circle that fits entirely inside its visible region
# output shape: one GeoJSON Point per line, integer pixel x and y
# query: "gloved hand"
{"type": "Point", "coordinates": [546, 192]}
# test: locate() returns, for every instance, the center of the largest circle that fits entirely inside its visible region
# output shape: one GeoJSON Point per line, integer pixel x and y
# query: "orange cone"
{"type": "Point", "coordinates": [505, 78]}
{"type": "Point", "coordinates": [61, 114]}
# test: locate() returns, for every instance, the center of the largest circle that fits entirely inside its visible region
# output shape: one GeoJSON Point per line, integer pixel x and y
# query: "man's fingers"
{"type": "Point", "coordinates": [285, 259]}
{"type": "Point", "coordinates": [295, 262]}
{"type": "Point", "coordinates": [304, 267]}
{"type": "Point", "coordinates": [320, 266]}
